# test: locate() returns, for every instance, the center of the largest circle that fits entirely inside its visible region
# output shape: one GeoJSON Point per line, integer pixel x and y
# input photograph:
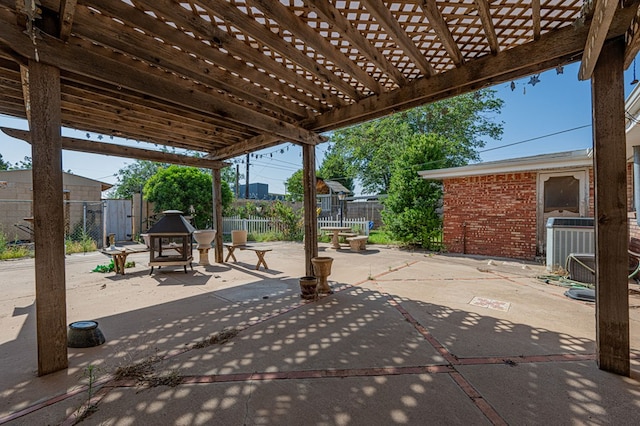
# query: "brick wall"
{"type": "Point", "coordinates": [491, 215]}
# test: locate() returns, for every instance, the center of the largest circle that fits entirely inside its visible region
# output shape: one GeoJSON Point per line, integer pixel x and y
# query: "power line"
{"type": "Point", "coordinates": [535, 139]}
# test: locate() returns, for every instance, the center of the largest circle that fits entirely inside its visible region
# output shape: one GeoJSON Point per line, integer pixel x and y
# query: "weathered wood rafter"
{"type": "Point", "coordinates": [439, 25]}
{"type": "Point", "coordinates": [74, 144]}
{"type": "Point", "coordinates": [602, 16]}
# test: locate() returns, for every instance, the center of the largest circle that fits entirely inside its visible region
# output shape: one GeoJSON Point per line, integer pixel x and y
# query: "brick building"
{"type": "Point", "coordinates": [500, 208]}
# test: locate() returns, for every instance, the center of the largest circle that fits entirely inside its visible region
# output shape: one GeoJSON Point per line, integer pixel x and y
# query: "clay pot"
{"type": "Point", "coordinates": [239, 237]}
{"type": "Point", "coordinates": [204, 237]}
{"type": "Point", "coordinates": [308, 287]}
{"type": "Point", "coordinates": [84, 334]}
{"type": "Point", "coordinates": [322, 269]}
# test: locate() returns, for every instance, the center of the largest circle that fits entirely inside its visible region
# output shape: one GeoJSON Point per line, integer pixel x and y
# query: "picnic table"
{"type": "Point", "coordinates": [336, 230]}
{"type": "Point", "coordinates": [259, 251]}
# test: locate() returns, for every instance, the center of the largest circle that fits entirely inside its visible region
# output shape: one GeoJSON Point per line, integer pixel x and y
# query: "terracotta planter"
{"type": "Point", "coordinates": [322, 269]}
{"type": "Point", "coordinates": [308, 286]}
{"type": "Point", "coordinates": [238, 237]}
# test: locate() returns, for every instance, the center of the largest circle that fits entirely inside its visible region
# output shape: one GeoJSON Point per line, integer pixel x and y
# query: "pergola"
{"type": "Point", "coordinates": [228, 77]}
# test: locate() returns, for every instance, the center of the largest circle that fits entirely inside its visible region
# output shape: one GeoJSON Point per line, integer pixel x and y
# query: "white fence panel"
{"type": "Point", "coordinates": [261, 225]}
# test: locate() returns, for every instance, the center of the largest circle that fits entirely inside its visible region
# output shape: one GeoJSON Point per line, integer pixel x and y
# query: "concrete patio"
{"type": "Point", "coordinates": [407, 338]}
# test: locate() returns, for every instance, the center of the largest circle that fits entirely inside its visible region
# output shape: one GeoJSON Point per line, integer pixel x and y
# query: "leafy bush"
{"type": "Point", "coordinates": [291, 221]}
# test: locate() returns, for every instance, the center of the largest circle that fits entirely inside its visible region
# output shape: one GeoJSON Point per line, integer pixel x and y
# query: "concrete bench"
{"type": "Point", "coordinates": [358, 243]}
{"type": "Point", "coordinates": [259, 251]}
{"type": "Point", "coordinates": [347, 234]}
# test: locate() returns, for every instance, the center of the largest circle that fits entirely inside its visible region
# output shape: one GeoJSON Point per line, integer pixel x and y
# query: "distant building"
{"type": "Point", "coordinates": [258, 191]}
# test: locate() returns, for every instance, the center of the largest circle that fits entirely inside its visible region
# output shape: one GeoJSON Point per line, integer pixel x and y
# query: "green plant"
{"type": "Point", "coordinates": [88, 407]}
{"type": "Point", "coordinates": [289, 219]}
{"type": "Point", "coordinates": [110, 267]}
{"type": "Point", "coordinates": [82, 245]}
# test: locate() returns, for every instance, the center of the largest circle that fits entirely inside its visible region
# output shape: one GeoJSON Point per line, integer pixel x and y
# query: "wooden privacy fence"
{"type": "Point", "coordinates": [262, 225]}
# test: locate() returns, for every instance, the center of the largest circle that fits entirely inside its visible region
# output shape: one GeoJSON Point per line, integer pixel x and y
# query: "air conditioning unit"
{"type": "Point", "coordinates": [566, 235]}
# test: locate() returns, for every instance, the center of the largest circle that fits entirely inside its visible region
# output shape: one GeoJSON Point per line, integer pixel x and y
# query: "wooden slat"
{"type": "Point", "coordinates": [535, 18]}
{"type": "Point", "coordinates": [296, 26]}
{"type": "Point", "coordinates": [94, 25]}
{"type": "Point", "coordinates": [233, 15]}
{"type": "Point", "coordinates": [48, 214]}
{"type": "Point", "coordinates": [378, 9]}
{"type": "Point", "coordinates": [602, 18]}
{"type": "Point", "coordinates": [66, 12]}
{"type": "Point", "coordinates": [552, 49]}
{"type": "Point", "coordinates": [355, 37]}
{"type": "Point", "coordinates": [612, 234]}
{"type": "Point", "coordinates": [484, 11]}
{"type": "Point", "coordinates": [102, 148]}
{"type": "Point", "coordinates": [84, 62]}
{"type": "Point", "coordinates": [439, 25]}
{"type": "Point", "coordinates": [147, 23]}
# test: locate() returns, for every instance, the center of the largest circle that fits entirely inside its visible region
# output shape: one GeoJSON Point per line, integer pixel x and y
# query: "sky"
{"type": "Point", "coordinates": [554, 115]}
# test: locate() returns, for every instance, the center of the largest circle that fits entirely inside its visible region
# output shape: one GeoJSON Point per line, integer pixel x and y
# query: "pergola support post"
{"type": "Point", "coordinates": [48, 212]}
{"type": "Point", "coordinates": [310, 214]}
{"type": "Point", "coordinates": [217, 213]}
{"type": "Point", "coordinates": [612, 234]}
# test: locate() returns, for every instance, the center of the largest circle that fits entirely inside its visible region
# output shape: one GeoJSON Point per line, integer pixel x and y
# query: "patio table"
{"type": "Point", "coordinates": [335, 230]}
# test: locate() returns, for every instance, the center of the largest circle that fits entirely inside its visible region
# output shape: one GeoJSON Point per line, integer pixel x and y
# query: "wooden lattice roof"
{"type": "Point", "coordinates": [231, 76]}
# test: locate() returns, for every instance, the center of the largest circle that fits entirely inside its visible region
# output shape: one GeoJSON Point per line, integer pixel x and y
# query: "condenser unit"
{"type": "Point", "coordinates": [566, 235]}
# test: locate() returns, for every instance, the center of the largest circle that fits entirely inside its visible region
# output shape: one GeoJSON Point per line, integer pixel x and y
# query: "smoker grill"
{"type": "Point", "coordinates": [170, 241]}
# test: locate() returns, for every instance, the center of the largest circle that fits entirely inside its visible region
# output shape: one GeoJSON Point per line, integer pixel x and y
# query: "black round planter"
{"type": "Point", "coordinates": [84, 334]}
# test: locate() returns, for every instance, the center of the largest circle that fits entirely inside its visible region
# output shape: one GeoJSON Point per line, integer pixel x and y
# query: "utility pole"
{"type": "Point", "coordinates": [246, 181]}
{"type": "Point", "coordinates": [237, 180]}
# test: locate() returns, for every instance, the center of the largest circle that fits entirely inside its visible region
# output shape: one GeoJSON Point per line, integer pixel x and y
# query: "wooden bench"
{"type": "Point", "coordinates": [119, 256]}
{"type": "Point", "coordinates": [259, 251]}
{"type": "Point", "coordinates": [358, 243]}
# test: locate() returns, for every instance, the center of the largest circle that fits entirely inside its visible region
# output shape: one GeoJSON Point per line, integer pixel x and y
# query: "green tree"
{"type": "Point", "coordinates": [295, 188]}
{"type": "Point", "coordinates": [24, 164]}
{"type": "Point", "coordinates": [335, 166]}
{"type": "Point", "coordinates": [410, 212]}
{"type": "Point", "coordinates": [372, 148]}
{"type": "Point", "coordinates": [133, 177]}
{"type": "Point", "coordinates": [4, 165]}
{"type": "Point", "coordinates": [178, 188]}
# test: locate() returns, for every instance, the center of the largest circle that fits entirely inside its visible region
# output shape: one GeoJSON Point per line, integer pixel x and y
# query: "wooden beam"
{"type": "Point", "coordinates": [602, 18]}
{"type": "Point", "coordinates": [66, 11]}
{"type": "Point", "coordinates": [612, 234]}
{"type": "Point", "coordinates": [146, 80]}
{"type": "Point", "coordinates": [217, 213]}
{"type": "Point", "coordinates": [633, 40]}
{"type": "Point", "coordinates": [439, 25]}
{"type": "Point", "coordinates": [386, 19]}
{"type": "Point", "coordinates": [102, 148]}
{"type": "Point", "coordinates": [484, 11]}
{"type": "Point", "coordinates": [24, 79]}
{"type": "Point", "coordinates": [310, 205]}
{"type": "Point", "coordinates": [552, 49]}
{"type": "Point", "coordinates": [48, 214]}
{"type": "Point", "coordinates": [341, 24]}
{"type": "Point", "coordinates": [289, 20]}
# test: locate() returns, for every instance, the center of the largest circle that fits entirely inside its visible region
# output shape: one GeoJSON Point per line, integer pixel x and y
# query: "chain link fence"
{"type": "Point", "coordinates": [83, 222]}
